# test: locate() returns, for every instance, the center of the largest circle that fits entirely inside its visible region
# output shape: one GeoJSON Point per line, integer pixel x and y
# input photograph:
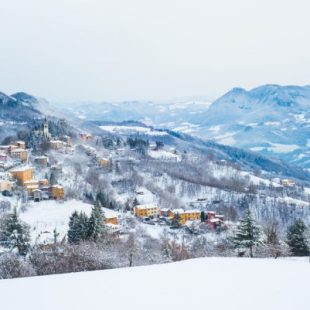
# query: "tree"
{"type": "Point", "coordinates": [78, 227]}
{"type": "Point", "coordinates": [15, 234]}
{"type": "Point", "coordinates": [247, 234]}
{"type": "Point", "coordinates": [203, 216]}
{"type": "Point", "coordinates": [96, 225]}
{"type": "Point", "coordinates": [297, 238]}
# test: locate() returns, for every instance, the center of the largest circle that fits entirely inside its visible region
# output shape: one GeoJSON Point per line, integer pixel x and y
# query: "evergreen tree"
{"type": "Point", "coordinates": [96, 223]}
{"type": "Point", "coordinates": [78, 227]}
{"type": "Point", "coordinates": [247, 234]}
{"type": "Point", "coordinates": [74, 234]}
{"type": "Point", "coordinates": [202, 216]}
{"type": "Point", "coordinates": [297, 238]}
{"type": "Point", "coordinates": [15, 234]}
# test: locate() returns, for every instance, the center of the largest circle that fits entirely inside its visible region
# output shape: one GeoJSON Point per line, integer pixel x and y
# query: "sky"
{"type": "Point", "coordinates": [77, 50]}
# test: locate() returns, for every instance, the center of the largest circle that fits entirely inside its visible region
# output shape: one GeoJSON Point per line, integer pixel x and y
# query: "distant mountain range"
{"type": "Point", "coordinates": [272, 120]}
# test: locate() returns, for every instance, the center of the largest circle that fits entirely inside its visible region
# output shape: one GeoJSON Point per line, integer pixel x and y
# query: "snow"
{"type": "Point", "coordinates": [43, 217]}
{"type": "Point", "coordinates": [163, 154]}
{"type": "Point", "coordinates": [133, 129]}
{"type": "Point", "coordinates": [283, 148]}
{"type": "Point", "coordinates": [207, 283]}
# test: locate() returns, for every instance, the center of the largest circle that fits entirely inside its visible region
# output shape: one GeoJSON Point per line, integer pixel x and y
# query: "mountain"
{"type": "Point", "coordinates": [271, 120]}
{"type": "Point", "coordinates": [247, 160]}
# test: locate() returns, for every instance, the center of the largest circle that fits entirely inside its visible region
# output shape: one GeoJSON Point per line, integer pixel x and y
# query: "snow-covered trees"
{"type": "Point", "coordinates": [297, 238]}
{"type": "Point", "coordinates": [248, 234]}
{"type": "Point", "coordinates": [96, 224]}
{"type": "Point", "coordinates": [14, 234]}
{"type": "Point", "coordinates": [78, 227]}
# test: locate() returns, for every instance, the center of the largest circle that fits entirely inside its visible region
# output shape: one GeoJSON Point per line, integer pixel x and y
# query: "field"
{"type": "Point", "coordinates": [208, 283]}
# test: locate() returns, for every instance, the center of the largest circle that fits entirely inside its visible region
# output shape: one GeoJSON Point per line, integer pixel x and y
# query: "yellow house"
{"type": "Point", "coordinates": [146, 210]}
{"type": "Point", "coordinates": [111, 219]}
{"type": "Point", "coordinates": [103, 162]}
{"type": "Point", "coordinates": [22, 174]}
{"type": "Point", "coordinates": [184, 216]}
{"type": "Point", "coordinates": [5, 185]}
{"type": "Point", "coordinates": [19, 153]}
{"type": "Point", "coordinates": [57, 192]}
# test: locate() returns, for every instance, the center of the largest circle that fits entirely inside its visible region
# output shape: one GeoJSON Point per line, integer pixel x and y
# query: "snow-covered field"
{"type": "Point", "coordinates": [208, 283]}
{"type": "Point", "coordinates": [43, 217]}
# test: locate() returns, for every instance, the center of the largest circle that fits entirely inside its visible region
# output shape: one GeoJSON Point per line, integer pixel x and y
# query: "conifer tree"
{"type": "Point", "coordinates": [16, 234]}
{"type": "Point", "coordinates": [96, 226]}
{"type": "Point", "coordinates": [78, 227]}
{"type": "Point", "coordinates": [247, 234]}
{"type": "Point", "coordinates": [297, 238]}
{"type": "Point", "coordinates": [74, 234]}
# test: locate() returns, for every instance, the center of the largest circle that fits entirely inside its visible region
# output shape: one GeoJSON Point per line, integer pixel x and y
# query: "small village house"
{"type": "Point", "coordinates": [57, 192]}
{"type": "Point", "coordinates": [20, 144]}
{"type": "Point", "coordinates": [20, 154]}
{"type": "Point", "coordinates": [103, 162]}
{"type": "Point", "coordinates": [146, 210]}
{"type": "Point", "coordinates": [6, 185]}
{"type": "Point", "coordinates": [22, 174]}
{"type": "Point", "coordinates": [41, 161]}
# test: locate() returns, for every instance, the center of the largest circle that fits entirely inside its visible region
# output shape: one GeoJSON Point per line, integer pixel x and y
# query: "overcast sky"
{"type": "Point", "coordinates": [67, 50]}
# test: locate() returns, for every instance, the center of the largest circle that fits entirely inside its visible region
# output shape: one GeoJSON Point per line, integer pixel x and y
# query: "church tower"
{"type": "Point", "coordinates": [46, 133]}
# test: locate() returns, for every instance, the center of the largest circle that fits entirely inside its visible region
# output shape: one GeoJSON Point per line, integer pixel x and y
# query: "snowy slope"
{"type": "Point", "coordinates": [209, 283]}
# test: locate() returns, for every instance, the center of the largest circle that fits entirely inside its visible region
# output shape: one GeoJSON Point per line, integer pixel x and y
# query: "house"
{"type": "Point", "coordinates": [57, 144]}
{"type": "Point", "coordinates": [43, 182]}
{"type": "Point", "coordinates": [37, 195]}
{"type": "Point", "coordinates": [19, 153]}
{"type": "Point", "coordinates": [110, 219]}
{"type": "Point", "coordinates": [22, 174]}
{"type": "Point", "coordinates": [287, 182]}
{"type": "Point", "coordinates": [3, 156]}
{"type": "Point", "coordinates": [146, 210]}
{"type": "Point", "coordinates": [184, 216]}
{"type": "Point", "coordinates": [103, 162]}
{"type": "Point", "coordinates": [20, 144]}
{"type": "Point", "coordinates": [5, 149]}
{"type": "Point", "coordinates": [6, 185]}
{"type": "Point", "coordinates": [41, 161]}
{"type": "Point", "coordinates": [164, 212]}
{"type": "Point", "coordinates": [57, 192]}
{"type": "Point", "coordinates": [31, 185]}
{"type": "Point", "coordinates": [214, 220]}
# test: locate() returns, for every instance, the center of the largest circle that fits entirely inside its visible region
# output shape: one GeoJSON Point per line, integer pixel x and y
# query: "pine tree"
{"type": "Point", "coordinates": [247, 234]}
{"type": "Point", "coordinates": [78, 227]}
{"type": "Point", "coordinates": [16, 234]}
{"type": "Point", "coordinates": [202, 216]}
{"type": "Point", "coordinates": [96, 226]}
{"type": "Point", "coordinates": [74, 234]}
{"type": "Point", "coordinates": [297, 238]}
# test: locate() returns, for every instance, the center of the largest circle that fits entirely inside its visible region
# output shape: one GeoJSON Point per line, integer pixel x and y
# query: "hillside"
{"type": "Point", "coordinates": [271, 120]}
{"type": "Point", "coordinates": [213, 283]}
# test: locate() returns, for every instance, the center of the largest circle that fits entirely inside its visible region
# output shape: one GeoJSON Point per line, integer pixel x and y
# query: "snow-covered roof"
{"type": "Point", "coordinates": [147, 206]}
{"type": "Point", "coordinates": [19, 169]}
{"type": "Point", "coordinates": [192, 211]}
{"type": "Point", "coordinates": [177, 211]}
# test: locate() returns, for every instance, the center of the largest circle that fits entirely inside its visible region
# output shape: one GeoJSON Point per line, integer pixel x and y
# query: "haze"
{"type": "Point", "coordinates": [74, 50]}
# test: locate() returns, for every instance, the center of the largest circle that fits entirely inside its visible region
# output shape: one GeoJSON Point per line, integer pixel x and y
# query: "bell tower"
{"type": "Point", "coordinates": [45, 129]}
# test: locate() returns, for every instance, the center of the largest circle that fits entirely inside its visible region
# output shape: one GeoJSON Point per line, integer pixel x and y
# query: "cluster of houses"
{"type": "Point", "coordinates": [152, 211]}
{"type": "Point", "coordinates": [36, 189]}
{"type": "Point", "coordinates": [15, 151]}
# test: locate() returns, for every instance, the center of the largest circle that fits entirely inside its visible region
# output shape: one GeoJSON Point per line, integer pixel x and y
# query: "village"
{"type": "Point", "coordinates": [31, 175]}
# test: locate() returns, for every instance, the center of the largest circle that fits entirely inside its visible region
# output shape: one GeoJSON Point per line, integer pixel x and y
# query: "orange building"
{"type": "Point", "coordinates": [22, 174]}
{"type": "Point", "coordinates": [184, 216]}
{"type": "Point", "coordinates": [5, 185]}
{"type": "Point", "coordinates": [111, 219]}
{"type": "Point", "coordinates": [103, 162]}
{"type": "Point", "coordinates": [58, 192]}
{"type": "Point", "coordinates": [146, 210]}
